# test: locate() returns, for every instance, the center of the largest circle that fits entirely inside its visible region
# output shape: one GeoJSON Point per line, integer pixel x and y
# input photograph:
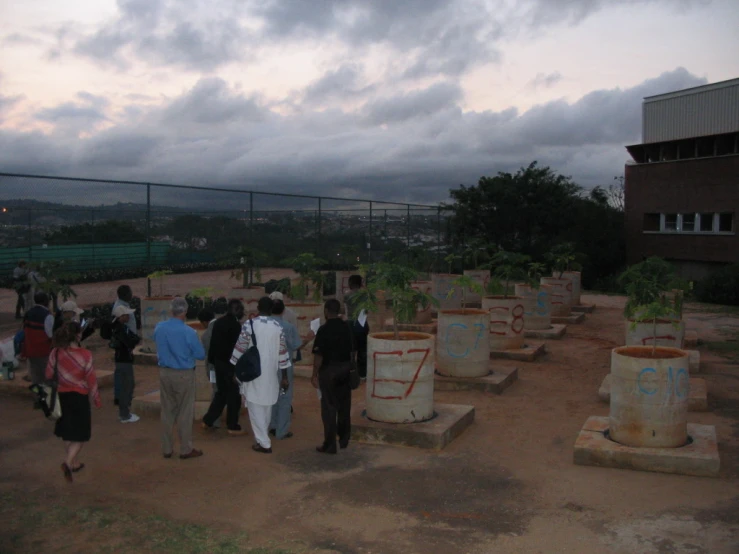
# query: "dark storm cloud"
{"type": "Point", "coordinates": [411, 147]}
{"type": "Point", "coordinates": [343, 83]}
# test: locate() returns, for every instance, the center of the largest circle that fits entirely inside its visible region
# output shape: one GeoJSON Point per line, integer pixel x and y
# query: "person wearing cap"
{"type": "Point", "coordinates": [288, 315]}
{"type": "Point", "coordinates": [125, 296]}
{"type": "Point", "coordinates": [69, 311]}
{"type": "Point", "coordinates": [21, 286]}
{"type": "Point", "coordinates": [124, 341]}
{"type": "Point", "coordinates": [178, 347]}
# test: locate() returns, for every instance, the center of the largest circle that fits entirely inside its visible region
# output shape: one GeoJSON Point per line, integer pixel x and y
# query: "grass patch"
{"type": "Point", "coordinates": [31, 525]}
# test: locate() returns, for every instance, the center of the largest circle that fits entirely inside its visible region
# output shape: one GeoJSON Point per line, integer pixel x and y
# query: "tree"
{"type": "Point", "coordinates": [108, 231]}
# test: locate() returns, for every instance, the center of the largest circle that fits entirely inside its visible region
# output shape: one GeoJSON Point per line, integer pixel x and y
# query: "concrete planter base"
{"type": "Point", "coordinates": [529, 353]}
{"type": "Point", "coordinates": [556, 331]}
{"type": "Point", "coordinates": [450, 421]}
{"type": "Point", "coordinates": [701, 458]}
{"type": "Point", "coordinates": [570, 319]}
{"type": "Point", "coordinates": [150, 405]}
{"type": "Point", "coordinates": [697, 399]}
{"type": "Point", "coordinates": [498, 381]}
{"type": "Point", "coordinates": [584, 308]}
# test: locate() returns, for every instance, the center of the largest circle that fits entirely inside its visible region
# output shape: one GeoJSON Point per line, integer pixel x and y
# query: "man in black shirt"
{"type": "Point", "coordinates": [332, 351]}
{"type": "Point", "coordinates": [226, 331]}
{"type": "Point", "coordinates": [359, 330]}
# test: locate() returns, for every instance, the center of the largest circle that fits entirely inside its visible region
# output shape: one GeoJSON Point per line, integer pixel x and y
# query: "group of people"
{"type": "Point", "coordinates": [53, 347]}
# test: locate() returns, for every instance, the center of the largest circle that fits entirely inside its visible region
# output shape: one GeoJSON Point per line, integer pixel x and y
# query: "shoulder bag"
{"type": "Point", "coordinates": [249, 366]}
{"type": "Point", "coordinates": [48, 395]}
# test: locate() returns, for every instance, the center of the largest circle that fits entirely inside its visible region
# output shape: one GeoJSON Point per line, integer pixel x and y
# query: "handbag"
{"type": "Point", "coordinates": [249, 366]}
{"type": "Point", "coordinates": [354, 378]}
{"type": "Point", "coordinates": [48, 395]}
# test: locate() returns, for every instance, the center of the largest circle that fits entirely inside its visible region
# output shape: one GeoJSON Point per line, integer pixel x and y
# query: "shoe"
{"type": "Point", "coordinates": [192, 454]}
{"type": "Point", "coordinates": [206, 427]}
{"type": "Point", "coordinates": [288, 435]}
{"type": "Point", "coordinates": [133, 418]}
{"type": "Point", "coordinates": [343, 444]}
{"type": "Point", "coordinates": [116, 402]}
{"type": "Point", "coordinates": [259, 448]}
{"type": "Point", "coordinates": [167, 456]}
{"type": "Point", "coordinates": [273, 432]}
{"type": "Point", "coordinates": [323, 449]}
{"type": "Point", "coordinates": [67, 473]}
{"type": "Point", "coordinates": [236, 431]}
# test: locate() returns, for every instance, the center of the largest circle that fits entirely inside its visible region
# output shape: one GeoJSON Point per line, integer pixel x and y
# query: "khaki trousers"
{"type": "Point", "coordinates": [177, 395]}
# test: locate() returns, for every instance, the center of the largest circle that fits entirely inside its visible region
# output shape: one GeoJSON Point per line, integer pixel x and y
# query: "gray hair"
{"type": "Point", "coordinates": [179, 306]}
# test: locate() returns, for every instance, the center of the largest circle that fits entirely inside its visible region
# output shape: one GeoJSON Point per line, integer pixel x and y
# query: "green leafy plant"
{"type": "Point", "coordinates": [563, 257]}
{"type": "Point", "coordinates": [535, 271]}
{"type": "Point", "coordinates": [649, 285]}
{"type": "Point", "coordinates": [474, 251]}
{"type": "Point", "coordinates": [307, 267]}
{"type": "Point", "coordinates": [508, 267]}
{"type": "Point", "coordinates": [54, 280]}
{"type": "Point", "coordinates": [159, 275]}
{"type": "Point", "coordinates": [395, 280]}
{"type": "Point", "coordinates": [450, 260]}
{"type": "Point", "coordinates": [247, 260]}
{"type": "Point", "coordinates": [464, 283]}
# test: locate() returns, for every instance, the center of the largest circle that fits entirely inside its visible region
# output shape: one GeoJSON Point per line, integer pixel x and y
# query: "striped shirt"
{"type": "Point", "coordinates": [76, 372]}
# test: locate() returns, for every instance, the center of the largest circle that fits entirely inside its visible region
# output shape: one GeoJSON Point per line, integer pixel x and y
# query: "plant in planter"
{"type": "Point", "coordinates": [307, 266]}
{"type": "Point", "coordinates": [506, 312]}
{"type": "Point", "coordinates": [450, 260]}
{"type": "Point", "coordinates": [650, 287]}
{"type": "Point", "coordinates": [54, 281]}
{"type": "Point", "coordinates": [563, 257]}
{"type": "Point", "coordinates": [247, 261]}
{"type": "Point", "coordinates": [197, 299]}
{"type": "Point", "coordinates": [400, 375]}
{"type": "Point", "coordinates": [508, 268]}
{"type": "Point", "coordinates": [535, 271]}
{"type": "Point", "coordinates": [475, 252]}
{"type": "Point", "coordinates": [465, 284]}
{"type": "Point", "coordinates": [157, 275]}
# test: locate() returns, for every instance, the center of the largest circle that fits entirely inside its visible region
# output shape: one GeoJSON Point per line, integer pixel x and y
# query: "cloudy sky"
{"type": "Point", "coordinates": [386, 99]}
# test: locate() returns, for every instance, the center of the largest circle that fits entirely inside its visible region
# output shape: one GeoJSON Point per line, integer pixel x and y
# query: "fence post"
{"type": "Point", "coordinates": [251, 234]}
{"type": "Point", "coordinates": [30, 239]}
{"type": "Point", "coordinates": [408, 237]}
{"type": "Point", "coordinates": [148, 229]}
{"type": "Point", "coordinates": [369, 239]}
{"type": "Point", "coordinates": [320, 230]}
{"type": "Point", "coordinates": [438, 238]}
{"type": "Point", "coordinates": [93, 237]}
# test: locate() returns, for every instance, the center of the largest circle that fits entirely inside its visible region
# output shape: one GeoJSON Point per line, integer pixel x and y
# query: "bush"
{"type": "Point", "coordinates": [721, 287]}
{"type": "Point", "coordinates": [609, 284]}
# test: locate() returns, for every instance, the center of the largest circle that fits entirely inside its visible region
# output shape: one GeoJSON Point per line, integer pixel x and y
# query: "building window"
{"type": "Point", "coordinates": [706, 223]}
{"type": "Point", "coordinates": [687, 225]}
{"type": "Point", "coordinates": [670, 222]}
{"type": "Point", "coordinates": [725, 223]}
{"type": "Point", "coordinates": [651, 222]}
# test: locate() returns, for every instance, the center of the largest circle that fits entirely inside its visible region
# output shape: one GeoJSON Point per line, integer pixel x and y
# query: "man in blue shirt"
{"type": "Point", "coordinates": [178, 347]}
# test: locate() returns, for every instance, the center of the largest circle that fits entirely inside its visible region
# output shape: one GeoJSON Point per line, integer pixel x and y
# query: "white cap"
{"type": "Point", "coordinates": [119, 311]}
{"type": "Point", "coordinates": [276, 295]}
{"type": "Point", "coordinates": [70, 306]}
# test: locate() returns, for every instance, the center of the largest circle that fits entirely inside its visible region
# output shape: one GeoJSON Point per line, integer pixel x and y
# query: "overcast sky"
{"type": "Point", "coordinates": [386, 99]}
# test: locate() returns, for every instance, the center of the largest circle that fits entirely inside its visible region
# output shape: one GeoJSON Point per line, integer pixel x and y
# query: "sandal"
{"type": "Point", "coordinates": [67, 473]}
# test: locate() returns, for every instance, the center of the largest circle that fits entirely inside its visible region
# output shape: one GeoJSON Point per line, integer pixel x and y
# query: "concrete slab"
{"type": "Point", "coordinates": [556, 331]}
{"type": "Point", "coordinates": [529, 353]}
{"type": "Point", "coordinates": [691, 339]}
{"type": "Point", "coordinates": [450, 421]}
{"type": "Point", "coordinates": [594, 448]}
{"type": "Point", "coordinates": [413, 327]}
{"type": "Point", "coordinates": [150, 405]}
{"type": "Point", "coordinates": [694, 361]}
{"type": "Point", "coordinates": [584, 308]}
{"type": "Point", "coordinates": [571, 319]}
{"type": "Point", "coordinates": [498, 381]}
{"type": "Point", "coordinates": [20, 387]}
{"type": "Point", "coordinates": [697, 399]}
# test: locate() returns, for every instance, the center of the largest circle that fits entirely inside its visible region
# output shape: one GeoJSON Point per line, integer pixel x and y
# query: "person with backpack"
{"type": "Point", "coordinates": [124, 341]}
{"type": "Point", "coordinates": [38, 328]}
{"type": "Point", "coordinates": [72, 369]}
{"type": "Point", "coordinates": [265, 335]}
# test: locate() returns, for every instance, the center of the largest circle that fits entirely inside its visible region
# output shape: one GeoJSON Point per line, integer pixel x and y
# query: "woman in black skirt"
{"type": "Point", "coordinates": [76, 386]}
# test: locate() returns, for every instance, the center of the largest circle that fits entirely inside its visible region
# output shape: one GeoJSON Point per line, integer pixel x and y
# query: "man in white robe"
{"type": "Point", "coordinates": [262, 393]}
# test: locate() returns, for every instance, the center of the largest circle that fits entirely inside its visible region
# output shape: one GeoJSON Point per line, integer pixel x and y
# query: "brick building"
{"type": "Point", "coordinates": [682, 188]}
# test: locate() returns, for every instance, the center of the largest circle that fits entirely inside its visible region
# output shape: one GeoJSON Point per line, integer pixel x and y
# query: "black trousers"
{"type": "Point", "coordinates": [336, 404]}
{"type": "Point", "coordinates": [20, 304]}
{"type": "Point", "coordinates": [227, 396]}
{"type": "Point", "coordinates": [359, 334]}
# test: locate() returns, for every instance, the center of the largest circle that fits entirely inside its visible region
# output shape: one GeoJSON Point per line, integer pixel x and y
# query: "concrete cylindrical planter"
{"type": "Point", "coordinates": [441, 284]}
{"type": "Point", "coordinates": [462, 344]}
{"type": "Point", "coordinates": [423, 315]}
{"type": "Point", "coordinates": [576, 278]}
{"type": "Point", "coordinates": [305, 314]}
{"type": "Point", "coordinates": [153, 310]}
{"type": "Point", "coordinates": [482, 278]}
{"type": "Point", "coordinates": [537, 306]}
{"type": "Point", "coordinates": [400, 377]}
{"type": "Point", "coordinates": [506, 322]}
{"type": "Point", "coordinates": [561, 295]}
{"type": "Point", "coordinates": [649, 396]}
{"type": "Point", "coordinates": [203, 387]}
{"type": "Point", "coordinates": [669, 333]}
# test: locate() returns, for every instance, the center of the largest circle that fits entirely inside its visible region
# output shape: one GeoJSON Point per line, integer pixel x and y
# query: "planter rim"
{"type": "Point", "coordinates": [660, 320]}
{"type": "Point", "coordinates": [466, 311]}
{"type": "Point", "coordinates": [447, 274]}
{"type": "Point", "coordinates": [661, 352]}
{"type": "Point", "coordinates": [165, 297]}
{"type": "Point", "coordinates": [501, 297]}
{"type": "Point", "coordinates": [304, 304]}
{"type": "Point", "coordinates": [405, 336]}
{"type": "Point", "coordinates": [250, 287]}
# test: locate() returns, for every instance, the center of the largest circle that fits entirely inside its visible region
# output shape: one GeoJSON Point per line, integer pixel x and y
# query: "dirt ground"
{"type": "Point", "coordinates": [507, 485]}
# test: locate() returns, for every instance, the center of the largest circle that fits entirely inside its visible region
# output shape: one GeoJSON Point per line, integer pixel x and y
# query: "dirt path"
{"type": "Point", "coordinates": [507, 485]}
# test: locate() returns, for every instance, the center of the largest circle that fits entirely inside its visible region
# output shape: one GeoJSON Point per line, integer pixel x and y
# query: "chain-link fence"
{"type": "Point", "coordinates": [103, 230]}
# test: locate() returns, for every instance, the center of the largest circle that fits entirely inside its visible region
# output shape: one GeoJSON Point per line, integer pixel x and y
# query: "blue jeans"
{"type": "Point", "coordinates": [280, 421]}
